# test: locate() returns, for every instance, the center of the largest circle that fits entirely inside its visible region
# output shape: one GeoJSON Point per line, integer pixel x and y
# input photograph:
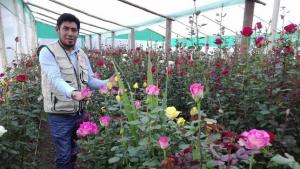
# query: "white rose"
{"type": "Point", "coordinates": [171, 63]}
{"type": "Point", "coordinates": [2, 130]}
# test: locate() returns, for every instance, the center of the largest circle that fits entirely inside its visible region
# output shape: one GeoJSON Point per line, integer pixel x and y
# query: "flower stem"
{"type": "Point", "coordinates": [165, 154]}
{"type": "Point", "coordinates": [199, 134]}
{"type": "Point", "coordinates": [251, 161]}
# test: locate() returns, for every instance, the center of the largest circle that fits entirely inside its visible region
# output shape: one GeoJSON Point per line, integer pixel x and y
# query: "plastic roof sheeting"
{"type": "Point", "coordinates": [127, 15]}
{"type": "Point", "coordinates": [124, 14]}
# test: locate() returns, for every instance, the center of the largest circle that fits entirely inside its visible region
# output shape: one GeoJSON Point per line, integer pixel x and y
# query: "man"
{"type": "Point", "coordinates": [66, 70]}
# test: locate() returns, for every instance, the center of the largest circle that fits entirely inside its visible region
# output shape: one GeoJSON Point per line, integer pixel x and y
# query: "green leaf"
{"type": "Point", "coordinates": [151, 163]}
{"type": "Point", "coordinates": [113, 160]}
{"type": "Point", "coordinates": [289, 161]}
{"type": "Point", "coordinates": [265, 112]}
{"type": "Point", "coordinates": [143, 142]}
{"type": "Point", "coordinates": [135, 122]}
{"type": "Point", "coordinates": [145, 119]}
{"type": "Point", "coordinates": [184, 146]}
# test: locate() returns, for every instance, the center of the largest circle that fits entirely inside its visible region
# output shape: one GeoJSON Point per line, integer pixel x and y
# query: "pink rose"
{"type": "Point", "coordinates": [103, 89]}
{"type": "Point", "coordinates": [87, 128]}
{"type": "Point", "coordinates": [138, 104]}
{"type": "Point", "coordinates": [247, 31]}
{"type": "Point", "coordinates": [105, 120]}
{"type": "Point", "coordinates": [196, 90]}
{"type": "Point", "coordinates": [254, 139]}
{"type": "Point", "coordinates": [164, 142]}
{"type": "Point", "coordinates": [86, 92]}
{"type": "Point", "coordinates": [152, 90]}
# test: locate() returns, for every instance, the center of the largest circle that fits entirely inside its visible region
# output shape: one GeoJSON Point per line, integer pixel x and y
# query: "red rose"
{"type": "Point", "coordinates": [2, 74]}
{"type": "Point", "coordinates": [272, 136]}
{"type": "Point", "coordinates": [100, 62]}
{"type": "Point", "coordinates": [136, 60]}
{"type": "Point", "coordinates": [247, 31]}
{"type": "Point", "coordinates": [225, 71]}
{"type": "Point", "coordinates": [288, 50]}
{"type": "Point", "coordinates": [22, 77]}
{"type": "Point", "coordinates": [219, 41]}
{"type": "Point", "coordinates": [258, 41]}
{"type": "Point", "coordinates": [137, 48]}
{"type": "Point", "coordinates": [291, 28]}
{"type": "Point", "coordinates": [153, 69]}
{"type": "Point", "coordinates": [258, 25]}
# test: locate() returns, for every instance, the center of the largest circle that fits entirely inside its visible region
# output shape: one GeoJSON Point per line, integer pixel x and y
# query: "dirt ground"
{"type": "Point", "coordinates": [46, 150]}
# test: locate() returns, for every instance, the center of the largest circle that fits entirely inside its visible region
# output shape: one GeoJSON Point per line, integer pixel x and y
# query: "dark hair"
{"type": "Point", "coordinates": [68, 17]}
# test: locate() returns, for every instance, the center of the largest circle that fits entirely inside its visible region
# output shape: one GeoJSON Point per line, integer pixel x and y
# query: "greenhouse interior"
{"type": "Point", "coordinates": [150, 84]}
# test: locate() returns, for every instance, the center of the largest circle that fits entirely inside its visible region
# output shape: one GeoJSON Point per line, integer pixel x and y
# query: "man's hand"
{"type": "Point", "coordinates": [113, 81]}
{"type": "Point", "coordinates": [76, 95]}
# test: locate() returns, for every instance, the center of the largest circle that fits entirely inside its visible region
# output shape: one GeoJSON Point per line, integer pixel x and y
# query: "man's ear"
{"type": "Point", "coordinates": [56, 28]}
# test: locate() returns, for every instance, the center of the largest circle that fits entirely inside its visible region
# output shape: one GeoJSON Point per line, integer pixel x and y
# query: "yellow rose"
{"type": "Point", "coordinates": [109, 85]}
{"type": "Point", "coordinates": [103, 109]}
{"type": "Point", "coordinates": [116, 78]}
{"type": "Point", "coordinates": [180, 121]}
{"type": "Point", "coordinates": [194, 111]}
{"type": "Point", "coordinates": [145, 84]}
{"type": "Point", "coordinates": [171, 112]}
{"type": "Point", "coordinates": [136, 85]}
{"type": "Point", "coordinates": [118, 98]}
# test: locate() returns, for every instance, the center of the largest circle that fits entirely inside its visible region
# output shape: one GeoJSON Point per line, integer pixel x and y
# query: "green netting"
{"type": "Point", "coordinates": [46, 31]}
{"type": "Point", "coordinates": [228, 41]}
{"type": "Point", "coordinates": [145, 35]}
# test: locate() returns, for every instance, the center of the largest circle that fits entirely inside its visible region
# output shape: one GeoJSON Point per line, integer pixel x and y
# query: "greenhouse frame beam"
{"type": "Point", "coordinates": [80, 28]}
{"type": "Point", "coordinates": [44, 20]}
{"type": "Point", "coordinates": [132, 39]}
{"type": "Point", "coordinates": [168, 35]}
{"type": "Point", "coordinates": [274, 21]}
{"type": "Point", "coordinates": [55, 19]}
{"type": "Point", "coordinates": [99, 40]}
{"type": "Point", "coordinates": [145, 9]}
{"type": "Point", "coordinates": [90, 15]}
{"type": "Point", "coordinates": [48, 10]}
{"type": "Point", "coordinates": [3, 58]}
{"type": "Point", "coordinates": [113, 40]}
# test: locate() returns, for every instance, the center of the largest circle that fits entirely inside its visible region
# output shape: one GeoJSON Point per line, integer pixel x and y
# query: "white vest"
{"type": "Point", "coordinates": [54, 101]}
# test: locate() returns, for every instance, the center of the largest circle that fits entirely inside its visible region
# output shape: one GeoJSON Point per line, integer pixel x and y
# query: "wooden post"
{"type": "Point", "coordinates": [113, 40]}
{"type": "Point", "coordinates": [3, 59]}
{"type": "Point", "coordinates": [99, 41]}
{"type": "Point", "coordinates": [168, 35]}
{"type": "Point", "coordinates": [131, 39]}
{"type": "Point", "coordinates": [19, 43]}
{"type": "Point", "coordinates": [90, 41]}
{"type": "Point", "coordinates": [248, 19]}
{"type": "Point", "coordinates": [274, 21]}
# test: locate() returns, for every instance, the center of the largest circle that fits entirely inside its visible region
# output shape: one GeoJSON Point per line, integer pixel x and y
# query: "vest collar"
{"type": "Point", "coordinates": [75, 50]}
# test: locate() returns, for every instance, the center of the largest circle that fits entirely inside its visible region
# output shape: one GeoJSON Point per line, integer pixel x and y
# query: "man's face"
{"type": "Point", "coordinates": [68, 33]}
